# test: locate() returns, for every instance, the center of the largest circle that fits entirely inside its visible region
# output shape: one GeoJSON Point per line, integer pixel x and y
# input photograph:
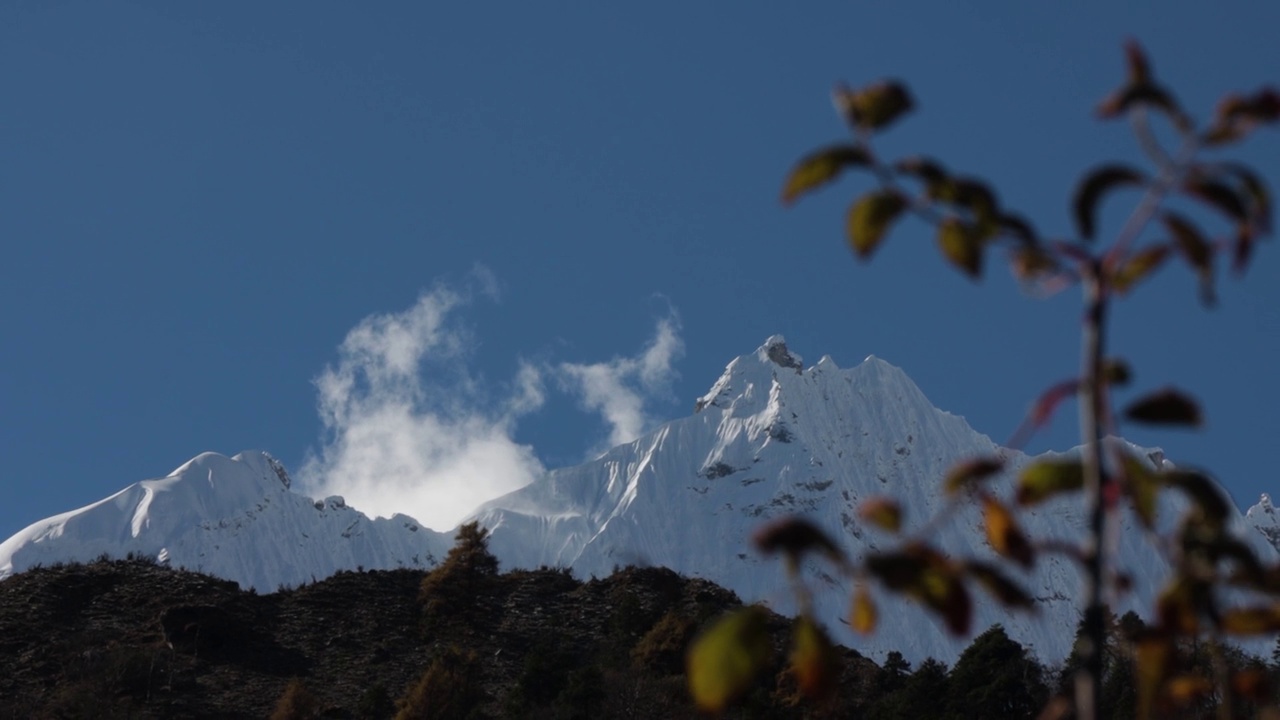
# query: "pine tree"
{"type": "Point", "coordinates": [996, 677]}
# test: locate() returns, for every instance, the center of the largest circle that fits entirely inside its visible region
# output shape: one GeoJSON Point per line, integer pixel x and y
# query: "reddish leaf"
{"type": "Point", "coordinates": [927, 171]}
{"type": "Point", "coordinates": [794, 537]}
{"type": "Point", "coordinates": [1217, 195]}
{"type": "Point", "coordinates": [1004, 590]}
{"type": "Point", "coordinates": [1195, 248]}
{"type": "Point", "coordinates": [1254, 192]}
{"type": "Point", "coordinates": [1032, 261]}
{"type": "Point", "coordinates": [1165, 407]}
{"type": "Point", "coordinates": [1093, 187]}
{"type": "Point", "coordinates": [883, 512]}
{"type": "Point", "coordinates": [924, 574]}
{"type": "Point", "coordinates": [1136, 60]}
{"type": "Point", "coordinates": [1253, 684]}
{"type": "Point", "coordinates": [970, 472]}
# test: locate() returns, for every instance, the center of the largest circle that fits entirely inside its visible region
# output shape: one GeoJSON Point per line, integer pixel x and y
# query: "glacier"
{"type": "Point", "coordinates": [771, 438]}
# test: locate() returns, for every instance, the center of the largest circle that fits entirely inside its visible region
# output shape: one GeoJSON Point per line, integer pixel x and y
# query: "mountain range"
{"type": "Point", "coordinates": [771, 438]}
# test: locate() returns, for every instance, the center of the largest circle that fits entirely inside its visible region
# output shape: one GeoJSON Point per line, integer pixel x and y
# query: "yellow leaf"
{"type": "Point", "coordinates": [962, 245]}
{"type": "Point", "coordinates": [1040, 481]}
{"type": "Point", "coordinates": [863, 616]}
{"type": "Point", "coordinates": [1151, 660]}
{"type": "Point", "coordinates": [821, 167]}
{"type": "Point", "coordinates": [1252, 621]}
{"type": "Point", "coordinates": [1138, 266]}
{"type": "Point", "coordinates": [813, 659]}
{"type": "Point", "coordinates": [1141, 485]}
{"type": "Point", "coordinates": [1004, 534]}
{"type": "Point", "coordinates": [869, 220]}
{"type": "Point", "coordinates": [1186, 689]}
{"type": "Point", "coordinates": [724, 661]}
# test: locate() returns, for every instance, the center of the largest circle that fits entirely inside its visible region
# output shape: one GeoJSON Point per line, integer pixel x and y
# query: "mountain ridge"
{"type": "Point", "coordinates": [771, 437]}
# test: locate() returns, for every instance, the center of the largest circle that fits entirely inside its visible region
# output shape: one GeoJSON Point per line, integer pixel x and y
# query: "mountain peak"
{"type": "Point", "coordinates": [775, 350]}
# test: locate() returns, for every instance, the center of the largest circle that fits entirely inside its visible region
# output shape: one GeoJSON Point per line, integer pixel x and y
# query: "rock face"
{"type": "Point", "coordinates": [770, 438]}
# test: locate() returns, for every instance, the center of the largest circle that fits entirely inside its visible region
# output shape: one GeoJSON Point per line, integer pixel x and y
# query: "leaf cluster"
{"type": "Point", "coordinates": [970, 221]}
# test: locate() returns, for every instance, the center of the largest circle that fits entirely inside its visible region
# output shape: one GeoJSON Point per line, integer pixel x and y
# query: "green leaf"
{"type": "Point", "coordinates": [1165, 407]}
{"type": "Point", "coordinates": [999, 586]}
{"type": "Point", "coordinates": [1142, 486]}
{"type": "Point", "coordinates": [970, 472]}
{"type": "Point", "coordinates": [821, 167]}
{"type": "Point", "coordinates": [1138, 266]}
{"type": "Point", "coordinates": [1042, 480]}
{"type": "Point", "coordinates": [1116, 371]}
{"type": "Point", "coordinates": [875, 106]}
{"type": "Point", "coordinates": [1093, 187]}
{"type": "Point", "coordinates": [724, 661]}
{"type": "Point", "coordinates": [869, 220]}
{"type": "Point", "coordinates": [813, 659]}
{"type": "Point", "coordinates": [883, 512]}
{"type": "Point", "coordinates": [961, 244]}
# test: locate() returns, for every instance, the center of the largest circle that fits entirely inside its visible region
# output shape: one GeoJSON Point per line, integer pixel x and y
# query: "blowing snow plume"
{"type": "Point", "coordinates": [617, 389]}
{"type": "Point", "coordinates": [397, 444]}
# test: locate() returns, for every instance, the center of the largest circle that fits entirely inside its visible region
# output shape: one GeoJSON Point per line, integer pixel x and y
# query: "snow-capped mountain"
{"type": "Point", "coordinates": [770, 438]}
{"type": "Point", "coordinates": [231, 517]}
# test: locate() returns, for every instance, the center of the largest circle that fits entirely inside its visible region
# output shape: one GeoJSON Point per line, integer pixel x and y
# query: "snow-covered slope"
{"type": "Point", "coordinates": [771, 438]}
{"type": "Point", "coordinates": [231, 517]}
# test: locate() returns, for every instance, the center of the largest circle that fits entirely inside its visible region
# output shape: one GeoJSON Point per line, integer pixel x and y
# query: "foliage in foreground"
{"type": "Point", "coordinates": [969, 222]}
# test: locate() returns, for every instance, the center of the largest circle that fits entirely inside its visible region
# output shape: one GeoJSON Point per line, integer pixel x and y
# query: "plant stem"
{"type": "Point", "coordinates": [1092, 414]}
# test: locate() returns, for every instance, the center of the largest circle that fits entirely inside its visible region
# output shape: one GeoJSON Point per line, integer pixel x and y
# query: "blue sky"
{"type": "Point", "coordinates": [230, 226]}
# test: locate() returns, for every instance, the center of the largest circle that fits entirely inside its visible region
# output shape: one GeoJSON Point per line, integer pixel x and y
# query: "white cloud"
{"type": "Point", "coordinates": [618, 389]}
{"type": "Point", "coordinates": [409, 430]}
{"type": "Point", "coordinates": [396, 444]}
